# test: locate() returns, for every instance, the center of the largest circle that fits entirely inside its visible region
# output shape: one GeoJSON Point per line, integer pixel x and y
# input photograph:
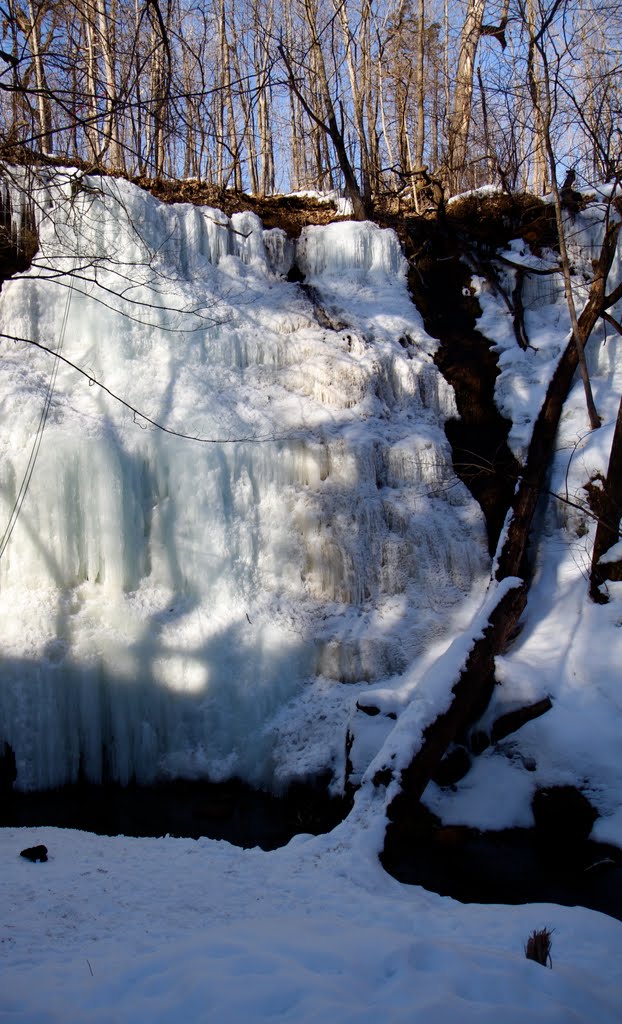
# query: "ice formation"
{"type": "Point", "coordinates": [194, 607]}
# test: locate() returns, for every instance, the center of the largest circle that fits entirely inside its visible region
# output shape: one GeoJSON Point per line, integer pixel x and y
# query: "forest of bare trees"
{"type": "Point", "coordinates": [372, 97]}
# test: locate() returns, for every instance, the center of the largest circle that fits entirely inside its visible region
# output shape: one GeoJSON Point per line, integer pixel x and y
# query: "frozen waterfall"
{"type": "Point", "coordinates": [175, 607]}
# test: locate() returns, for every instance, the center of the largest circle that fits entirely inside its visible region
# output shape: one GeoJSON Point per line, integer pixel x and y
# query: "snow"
{"type": "Point", "coordinates": [614, 554]}
{"type": "Point", "coordinates": [483, 190]}
{"type": "Point", "coordinates": [343, 206]}
{"type": "Point", "coordinates": [126, 930]}
{"type": "Point", "coordinates": [170, 607]}
{"type": "Point", "coordinates": [430, 692]}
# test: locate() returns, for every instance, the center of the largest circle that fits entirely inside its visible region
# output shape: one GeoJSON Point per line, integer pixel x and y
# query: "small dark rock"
{"type": "Point", "coordinates": [368, 709]}
{"type": "Point", "coordinates": [453, 767]}
{"type": "Point", "coordinates": [35, 853]}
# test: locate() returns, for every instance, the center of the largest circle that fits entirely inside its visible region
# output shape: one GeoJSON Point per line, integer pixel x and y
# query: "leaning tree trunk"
{"type": "Point", "coordinates": [609, 515]}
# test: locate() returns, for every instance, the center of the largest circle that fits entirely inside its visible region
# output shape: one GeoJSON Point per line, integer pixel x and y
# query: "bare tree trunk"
{"type": "Point", "coordinates": [460, 119]}
{"type": "Point", "coordinates": [137, 108]}
{"type": "Point", "coordinates": [420, 88]}
{"type": "Point", "coordinates": [265, 143]}
{"type": "Point", "coordinates": [91, 131]}
{"type": "Point", "coordinates": [490, 160]}
{"type": "Point", "coordinates": [371, 98]}
{"type": "Point", "coordinates": [325, 118]}
{"type": "Point", "coordinates": [298, 157]}
{"type": "Point", "coordinates": [230, 135]}
{"type": "Point", "coordinates": [540, 177]}
{"type": "Point", "coordinates": [609, 514]}
{"type": "Point", "coordinates": [593, 416]}
{"type": "Point", "coordinates": [223, 61]}
{"type": "Point", "coordinates": [157, 129]}
{"type": "Point", "coordinates": [383, 120]}
{"type": "Point", "coordinates": [248, 131]}
{"type": "Point", "coordinates": [35, 15]}
{"type": "Point", "coordinates": [403, 137]}
{"type": "Point", "coordinates": [263, 31]}
{"type": "Point", "coordinates": [106, 33]}
{"type": "Point", "coordinates": [234, 146]}
{"type": "Point", "coordinates": [355, 74]}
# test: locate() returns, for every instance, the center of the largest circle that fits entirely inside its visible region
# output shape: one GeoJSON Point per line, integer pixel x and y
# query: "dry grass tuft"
{"type": "Point", "coordinates": [538, 947]}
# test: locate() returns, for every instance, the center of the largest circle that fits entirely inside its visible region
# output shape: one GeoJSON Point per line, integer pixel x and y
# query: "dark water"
{"type": "Point", "coordinates": [230, 811]}
{"type": "Point", "coordinates": [513, 866]}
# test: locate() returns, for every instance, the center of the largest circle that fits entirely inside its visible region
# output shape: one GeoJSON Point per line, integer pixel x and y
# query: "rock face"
{"type": "Point", "coordinates": [35, 853]}
{"type": "Point", "coordinates": [440, 283]}
{"type": "Point", "coordinates": [564, 818]}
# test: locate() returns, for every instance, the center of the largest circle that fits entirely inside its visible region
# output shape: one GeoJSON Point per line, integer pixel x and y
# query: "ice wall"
{"type": "Point", "coordinates": [171, 606]}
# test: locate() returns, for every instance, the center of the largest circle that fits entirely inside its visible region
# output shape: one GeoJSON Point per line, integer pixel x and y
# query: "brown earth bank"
{"type": "Point", "coordinates": [290, 213]}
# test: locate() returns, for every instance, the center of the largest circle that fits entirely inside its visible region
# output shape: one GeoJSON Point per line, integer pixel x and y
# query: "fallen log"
{"type": "Point", "coordinates": [469, 661]}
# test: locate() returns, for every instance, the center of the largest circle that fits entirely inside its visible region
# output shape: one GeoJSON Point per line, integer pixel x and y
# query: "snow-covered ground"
{"type": "Point", "coordinates": [216, 636]}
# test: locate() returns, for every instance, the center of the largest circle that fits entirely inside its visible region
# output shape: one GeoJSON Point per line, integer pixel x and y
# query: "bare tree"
{"type": "Point", "coordinates": [323, 111]}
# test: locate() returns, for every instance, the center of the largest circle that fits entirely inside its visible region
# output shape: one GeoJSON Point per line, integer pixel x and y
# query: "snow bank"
{"type": "Point", "coordinates": [132, 930]}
